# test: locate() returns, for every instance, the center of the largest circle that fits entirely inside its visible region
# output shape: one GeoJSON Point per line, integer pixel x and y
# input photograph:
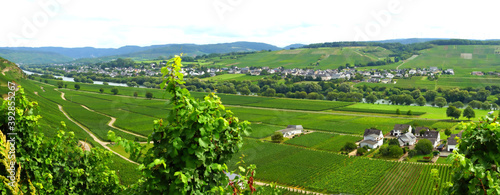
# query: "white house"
{"type": "Point", "coordinates": [400, 129]}
{"type": "Point", "coordinates": [407, 139]}
{"type": "Point", "coordinates": [373, 138]}
{"type": "Point", "coordinates": [452, 142]}
{"type": "Point", "coordinates": [291, 130]}
{"type": "Point", "coordinates": [432, 136]}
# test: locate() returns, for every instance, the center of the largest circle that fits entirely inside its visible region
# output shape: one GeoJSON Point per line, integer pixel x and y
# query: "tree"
{"type": "Point", "coordinates": [447, 132]}
{"type": "Point", "coordinates": [77, 86]}
{"type": "Point", "coordinates": [475, 164]}
{"type": "Point", "coordinates": [254, 88]}
{"type": "Point", "coordinates": [136, 94]}
{"type": "Point", "coordinates": [114, 90]}
{"type": "Point", "coordinates": [450, 111]}
{"type": "Point", "coordinates": [469, 113]}
{"type": "Point", "coordinates": [486, 105]}
{"type": "Point", "coordinates": [277, 137]}
{"type": "Point", "coordinates": [398, 112]}
{"type": "Point", "coordinates": [191, 146]}
{"type": "Point", "coordinates": [270, 92]}
{"type": "Point", "coordinates": [409, 113]}
{"type": "Point", "coordinates": [395, 151]}
{"type": "Point", "coordinates": [371, 98]}
{"type": "Point", "coordinates": [394, 142]}
{"type": "Point", "coordinates": [475, 104]}
{"type": "Point", "coordinates": [361, 151]}
{"type": "Point", "coordinates": [65, 85]}
{"type": "Point", "coordinates": [420, 101]}
{"type": "Point", "coordinates": [421, 132]}
{"type": "Point", "coordinates": [424, 146]}
{"type": "Point", "coordinates": [101, 90]}
{"type": "Point", "coordinates": [430, 95]}
{"type": "Point", "coordinates": [458, 104]}
{"type": "Point", "coordinates": [440, 102]}
{"type": "Point", "coordinates": [149, 95]}
{"type": "Point", "coordinates": [105, 83]}
{"type": "Point", "coordinates": [349, 146]}
{"type": "Point", "coordinates": [60, 84]}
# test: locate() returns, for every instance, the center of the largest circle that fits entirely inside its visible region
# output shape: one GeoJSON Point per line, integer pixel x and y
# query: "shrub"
{"type": "Point", "coordinates": [349, 146]}
{"type": "Point", "coordinates": [277, 137]}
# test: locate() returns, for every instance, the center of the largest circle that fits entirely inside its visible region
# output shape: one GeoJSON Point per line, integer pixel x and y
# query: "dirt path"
{"type": "Point", "coordinates": [411, 58]}
{"type": "Point", "coordinates": [289, 188]}
{"type": "Point", "coordinates": [103, 144]}
{"type": "Point", "coordinates": [85, 145]}
{"type": "Point", "coordinates": [5, 70]}
{"type": "Point", "coordinates": [112, 121]}
{"type": "Point", "coordinates": [62, 95]}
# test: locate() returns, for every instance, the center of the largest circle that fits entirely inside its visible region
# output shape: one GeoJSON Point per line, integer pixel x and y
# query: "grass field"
{"type": "Point", "coordinates": [263, 130]}
{"type": "Point", "coordinates": [431, 112]}
{"type": "Point", "coordinates": [323, 141]}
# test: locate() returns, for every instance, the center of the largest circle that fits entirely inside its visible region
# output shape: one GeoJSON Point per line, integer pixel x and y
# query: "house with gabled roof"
{"type": "Point", "coordinates": [400, 129]}
{"type": "Point", "coordinates": [407, 139]}
{"type": "Point", "coordinates": [291, 130]}
{"type": "Point", "coordinates": [432, 136]}
{"type": "Point", "coordinates": [373, 138]}
{"type": "Point", "coordinates": [452, 142]}
{"type": "Point", "coordinates": [418, 129]}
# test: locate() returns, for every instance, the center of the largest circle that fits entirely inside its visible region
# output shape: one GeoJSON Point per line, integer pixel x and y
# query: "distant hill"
{"type": "Point", "coordinates": [410, 40]}
{"type": "Point", "coordinates": [43, 55]}
{"type": "Point", "coordinates": [296, 45]}
{"type": "Point", "coordinates": [33, 57]}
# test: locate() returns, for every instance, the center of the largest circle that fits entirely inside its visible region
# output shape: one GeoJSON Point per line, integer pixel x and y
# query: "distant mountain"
{"type": "Point", "coordinates": [43, 55]}
{"type": "Point", "coordinates": [33, 57]}
{"type": "Point", "coordinates": [296, 45]}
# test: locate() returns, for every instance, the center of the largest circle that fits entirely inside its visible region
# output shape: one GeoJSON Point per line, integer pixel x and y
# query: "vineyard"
{"type": "Point", "coordinates": [408, 178]}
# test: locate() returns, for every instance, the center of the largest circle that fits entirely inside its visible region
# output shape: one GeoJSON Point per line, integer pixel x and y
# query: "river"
{"type": "Point", "coordinates": [69, 79]}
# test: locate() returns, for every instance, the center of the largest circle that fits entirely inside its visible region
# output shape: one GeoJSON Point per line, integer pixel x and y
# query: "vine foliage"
{"type": "Point", "coordinates": [475, 163]}
{"type": "Point", "coordinates": [191, 146]}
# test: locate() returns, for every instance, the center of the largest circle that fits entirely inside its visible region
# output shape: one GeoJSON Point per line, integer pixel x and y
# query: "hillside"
{"type": "Point", "coordinates": [319, 58]}
{"type": "Point", "coordinates": [33, 57]}
{"type": "Point", "coordinates": [10, 72]}
{"type": "Point", "coordinates": [482, 58]}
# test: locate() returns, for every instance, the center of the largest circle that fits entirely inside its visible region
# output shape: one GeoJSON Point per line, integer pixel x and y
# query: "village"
{"type": "Point", "coordinates": [406, 135]}
{"type": "Point", "coordinates": [371, 76]}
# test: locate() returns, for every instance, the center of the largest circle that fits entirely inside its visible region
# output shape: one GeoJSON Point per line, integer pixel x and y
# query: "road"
{"type": "Point", "coordinates": [411, 58]}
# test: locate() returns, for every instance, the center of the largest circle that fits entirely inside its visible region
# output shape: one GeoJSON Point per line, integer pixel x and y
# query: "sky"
{"type": "Point", "coordinates": [113, 24]}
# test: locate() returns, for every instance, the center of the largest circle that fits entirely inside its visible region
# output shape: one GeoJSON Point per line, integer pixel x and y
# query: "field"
{"type": "Point", "coordinates": [323, 141]}
{"type": "Point", "coordinates": [237, 77]}
{"type": "Point", "coordinates": [431, 112]}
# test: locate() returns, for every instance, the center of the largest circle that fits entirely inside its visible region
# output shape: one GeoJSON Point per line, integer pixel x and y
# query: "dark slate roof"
{"type": "Point", "coordinates": [401, 127]}
{"type": "Point", "coordinates": [430, 134]}
{"type": "Point", "coordinates": [418, 129]}
{"type": "Point", "coordinates": [451, 140]}
{"type": "Point", "coordinates": [372, 131]}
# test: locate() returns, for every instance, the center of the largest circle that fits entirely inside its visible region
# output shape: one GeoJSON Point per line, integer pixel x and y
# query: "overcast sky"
{"type": "Point", "coordinates": [113, 23]}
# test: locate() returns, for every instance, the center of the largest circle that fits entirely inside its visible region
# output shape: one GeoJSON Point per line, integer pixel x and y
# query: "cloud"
{"type": "Point", "coordinates": [113, 23]}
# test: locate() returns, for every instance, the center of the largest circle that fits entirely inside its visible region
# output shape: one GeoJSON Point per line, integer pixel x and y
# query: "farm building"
{"type": "Point", "coordinates": [399, 129]}
{"type": "Point", "coordinates": [407, 139]}
{"type": "Point", "coordinates": [432, 136]}
{"type": "Point", "coordinates": [452, 142]}
{"type": "Point", "coordinates": [417, 130]}
{"type": "Point", "coordinates": [291, 130]}
{"type": "Point", "coordinates": [477, 73]}
{"type": "Point", "coordinates": [373, 138]}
